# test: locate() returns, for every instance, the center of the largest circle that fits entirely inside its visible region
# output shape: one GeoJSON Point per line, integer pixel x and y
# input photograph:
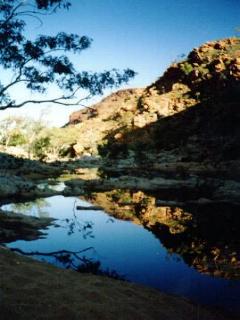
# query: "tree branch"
{"type": "Point", "coordinates": [38, 63]}
{"type": "Point", "coordinates": [12, 84]}
{"type": "Point", "coordinates": [59, 101]}
{"type": "Point", "coordinates": [12, 14]}
{"type": "Point", "coordinates": [33, 253]}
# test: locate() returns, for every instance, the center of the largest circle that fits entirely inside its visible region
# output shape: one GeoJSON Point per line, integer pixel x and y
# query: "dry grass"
{"type": "Point", "coordinates": [33, 290]}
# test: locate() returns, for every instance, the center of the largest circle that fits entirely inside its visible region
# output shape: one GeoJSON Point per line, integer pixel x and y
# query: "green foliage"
{"type": "Point", "coordinates": [36, 139]}
{"type": "Point", "coordinates": [13, 131]}
{"type": "Point", "coordinates": [61, 140]}
{"type": "Point", "coordinates": [40, 147]}
{"type": "Point", "coordinates": [17, 139]}
{"type": "Point", "coordinates": [186, 67]}
{"type": "Point", "coordinates": [203, 69]}
{"type": "Point", "coordinates": [44, 61]}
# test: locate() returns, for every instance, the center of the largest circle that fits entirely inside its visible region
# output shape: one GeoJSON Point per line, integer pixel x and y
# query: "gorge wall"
{"type": "Point", "coordinates": [189, 117]}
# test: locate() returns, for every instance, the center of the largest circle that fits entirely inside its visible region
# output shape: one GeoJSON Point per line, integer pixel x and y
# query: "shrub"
{"type": "Point", "coordinates": [186, 67]}
{"type": "Point", "coordinates": [40, 147]}
{"type": "Point", "coordinates": [17, 139]}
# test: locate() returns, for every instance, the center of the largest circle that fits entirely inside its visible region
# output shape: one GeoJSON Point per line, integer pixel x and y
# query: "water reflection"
{"type": "Point", "coordinates": [210, 243]}
{"type": "Point", "coordinates": [68, 259]}
{"type": "Point", "coordinates": [165, 247]}
{"type": "Point", "coordinates": [206, 236]}
{"type": "Point", "coordinates": [35, 208]}
{"type": "Point", "coordinates": [75, 224]}
{"type": "Point", "coordinates": [73, 260]}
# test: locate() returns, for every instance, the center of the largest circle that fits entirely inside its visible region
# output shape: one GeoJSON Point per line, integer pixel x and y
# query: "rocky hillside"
{"type": "Point", "coordinates": [94, 123]}
{"type": "Point", "coordinates": [189, 115]}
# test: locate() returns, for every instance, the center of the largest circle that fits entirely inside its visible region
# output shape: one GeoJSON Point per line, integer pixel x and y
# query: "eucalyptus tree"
{"type": "Point", "coordinates": [41, 62]}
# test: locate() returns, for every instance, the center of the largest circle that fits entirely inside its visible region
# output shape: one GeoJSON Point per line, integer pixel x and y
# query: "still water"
{"type": "Point", "coordinates": [121, 248]}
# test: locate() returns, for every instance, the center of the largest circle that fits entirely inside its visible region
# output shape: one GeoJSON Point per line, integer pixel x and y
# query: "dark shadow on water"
{"type": "Point", "coordinates": [94, 267]}
{"type": "Point", "coordinates": [205, 236]}
{"type": "Point", "coordinates": [74, 260]}
{"type": "Point", "coordinates": [209, 241]}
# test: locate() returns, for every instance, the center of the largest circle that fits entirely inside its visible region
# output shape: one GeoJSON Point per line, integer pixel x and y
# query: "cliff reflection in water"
{"type": "Point", "coordinates": [206, 236]}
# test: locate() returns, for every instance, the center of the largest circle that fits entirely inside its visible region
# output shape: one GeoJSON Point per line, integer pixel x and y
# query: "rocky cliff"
{"type": "Point", "coordinates": [112, 114]}
{"type": "Point", "coordinates": [189, 115]}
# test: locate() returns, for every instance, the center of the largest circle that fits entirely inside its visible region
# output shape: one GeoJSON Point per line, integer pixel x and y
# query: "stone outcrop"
{"type": "Point", "coordinates": [94, 123]}
{"type": "Point", "coordinates": [116, 102]}
{"type": "Point", "coordinates": [20, 178]}
{"type": "Point", "coordinates": [192, 111]}
{"type": "Point", "coordinates": [189, 116]}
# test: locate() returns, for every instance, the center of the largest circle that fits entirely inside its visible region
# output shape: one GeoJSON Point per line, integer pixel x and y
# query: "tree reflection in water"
{"type": "Point", "coordinates": [31, 208]}
{"type": "Point", "coordinates": [75, 224]}
{"type": "Point", "coordinates": [74, 260]}
{"type": "Point", "coordinates": [206, 236]}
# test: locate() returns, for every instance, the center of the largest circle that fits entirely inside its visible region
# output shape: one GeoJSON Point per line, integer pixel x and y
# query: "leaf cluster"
{"type": "Point", "coordinates": [44, 61]}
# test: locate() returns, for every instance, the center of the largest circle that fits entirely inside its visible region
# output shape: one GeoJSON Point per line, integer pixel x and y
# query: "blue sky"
{"type": "Point", "coordinates": [145, 35]}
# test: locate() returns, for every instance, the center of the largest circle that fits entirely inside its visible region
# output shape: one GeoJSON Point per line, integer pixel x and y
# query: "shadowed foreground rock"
{"type": "Point", "coordinates": [33, 290]}
{"type": "Point", "coordinates": [15, 227]}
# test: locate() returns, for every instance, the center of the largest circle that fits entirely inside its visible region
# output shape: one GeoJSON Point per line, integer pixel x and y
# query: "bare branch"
{"type": "Point", "coordinates": [34, 17]}
{"type": "Point", "coordinates": [60, 101]}
{"type": "Point", "coordinates": [34, 253]}
{"type": "Point", "coordinates": [13, 13]}
{"type": "Point", "coordinates": [37, 12]}
{"type": "Point", "coordinates": [16, 81]}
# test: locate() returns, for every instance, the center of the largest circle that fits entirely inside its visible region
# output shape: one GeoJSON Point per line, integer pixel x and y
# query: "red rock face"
{"type": "Point", "coordinates": [80, 116]}
{"type": "Point", "coordinates": [207, 77]}
{"type": "Point", "coordinates": [75, 117]}
{"type": "Point", "coordinates": [212, 63]}
{"type": "Point", "coordinates": [112, 102]}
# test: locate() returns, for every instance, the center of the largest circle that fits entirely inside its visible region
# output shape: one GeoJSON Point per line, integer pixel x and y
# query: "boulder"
{"type": "Point", "coordinates": [78, 148]}
{"type": "Point", "coordinates": [143, 119]}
